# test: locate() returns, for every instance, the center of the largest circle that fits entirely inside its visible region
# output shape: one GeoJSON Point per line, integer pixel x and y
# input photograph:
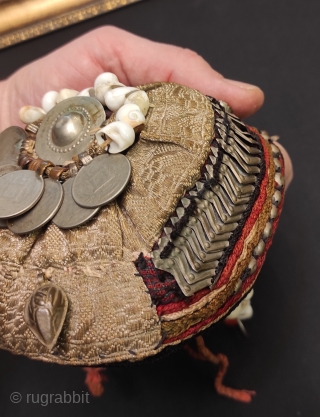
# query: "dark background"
{"type": "Point", "coordinates": [274, 44]}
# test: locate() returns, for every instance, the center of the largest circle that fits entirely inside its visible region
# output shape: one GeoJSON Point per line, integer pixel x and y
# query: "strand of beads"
{"type": "Point", "coordinates": [69, 146]}
{"type": "Point", "coordinates": [130, 103]}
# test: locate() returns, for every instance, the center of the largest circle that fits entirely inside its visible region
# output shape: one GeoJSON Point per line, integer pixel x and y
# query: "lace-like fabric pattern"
{"type": "Point", "coordinates": [111, 316]}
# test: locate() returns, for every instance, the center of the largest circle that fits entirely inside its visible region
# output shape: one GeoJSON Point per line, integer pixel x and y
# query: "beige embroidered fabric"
{"type": "Point", "coordinates": [110, 316]}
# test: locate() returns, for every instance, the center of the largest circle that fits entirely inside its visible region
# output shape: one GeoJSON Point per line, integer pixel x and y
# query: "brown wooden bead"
{"type": "Point", "coordinates": [56, 171]}
{"type": "Point", "coordinates": [43, 165]}
{"type": "Point", "coordinates": [24, 160]}
{"type": "Point", "coordinates": [34, 165]}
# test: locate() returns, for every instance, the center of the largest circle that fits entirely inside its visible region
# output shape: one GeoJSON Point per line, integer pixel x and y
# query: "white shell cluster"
{"type": "Point", "coordinates": [110, 92]}
{"type": "Point", "coordinates": [130, 103]}
{"type": "Point", "coordinates": [104, 83]}
{"type": "Point", "coordinates": [51, 98]}
{"type": "Point", "coordinates": [121, 132]}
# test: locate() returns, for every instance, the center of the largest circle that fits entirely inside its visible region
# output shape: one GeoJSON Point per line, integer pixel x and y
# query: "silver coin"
{"type": "Point", "coordinates": [42, 212]}
{"type": "Point", "coordinates": [65, 129]}
{"type": "Point", "coordinates": [70, 213]}
{"type": "Point", "coordinates": [10, 143]}
{"type": "Point", "coordinates": [5, 169]}
{"type": "Point", "coordinates": [19, 192]}
{"type": "Point", "coordinates": [102, 180]}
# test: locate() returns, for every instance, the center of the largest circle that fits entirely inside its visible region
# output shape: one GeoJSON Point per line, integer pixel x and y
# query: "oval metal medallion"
{"type": "Point", "coordinates": [70, 213]}
{"type": "Point", "coordinates": [45, 313]}
{"type": "Point", "coordinates": [10, 142]}
{"type": "Point", "coordinates": [65, 130]}
{"type": "Point", "coordinates": [42, 212]}
{"type": "Point", "coordinates": [19, 192]}
{"type": "Point", "coordinates": [102, 180]}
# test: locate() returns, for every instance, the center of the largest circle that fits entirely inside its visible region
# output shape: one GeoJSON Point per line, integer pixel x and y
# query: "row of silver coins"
{"type": "Point", "coordinates": [28, 202]}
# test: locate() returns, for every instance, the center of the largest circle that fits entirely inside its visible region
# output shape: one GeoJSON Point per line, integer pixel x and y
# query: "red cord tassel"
{"type": "Point", "coordinates": [236, 394]}
{"type": "Point", "coordinates": [231, 322]}
{"type": "Point", "coordinates": [94, 380]}
{"type": "Point", "coordinates": [221, 360]}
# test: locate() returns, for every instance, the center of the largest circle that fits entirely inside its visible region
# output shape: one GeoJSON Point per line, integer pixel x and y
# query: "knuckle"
{"type": "Point", "coordinates": [189, 54]}
{"type": "Point", "coordinates": [102, 31]}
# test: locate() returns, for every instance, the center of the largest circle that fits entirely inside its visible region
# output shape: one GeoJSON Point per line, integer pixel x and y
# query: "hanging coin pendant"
{"type": "Point", "coordinates": [70, 213]}
{"type": "Point", "coordinates": [6, 169]}
{"type": "Point", "coordinates": [19, 192]}
{"type": "Point", "coordinates": [10, 142]}
{"type": "Point", "coordinates": [42, 212]}
{"type": "Point", "coordinates": [102, 180]}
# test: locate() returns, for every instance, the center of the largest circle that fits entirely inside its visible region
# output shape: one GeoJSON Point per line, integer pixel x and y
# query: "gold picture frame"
{"type": "Point", "coordinates": [21, 20]}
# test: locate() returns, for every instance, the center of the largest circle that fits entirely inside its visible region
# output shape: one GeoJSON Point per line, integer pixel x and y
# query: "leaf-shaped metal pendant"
{"type": "Point", "coordinates": [45, 313]}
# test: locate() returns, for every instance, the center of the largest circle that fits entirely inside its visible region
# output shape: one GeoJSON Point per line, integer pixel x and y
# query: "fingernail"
{"type": "Point", "coordinates": [242, 85]}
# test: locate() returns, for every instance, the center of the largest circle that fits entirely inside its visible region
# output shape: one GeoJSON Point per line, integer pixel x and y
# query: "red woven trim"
{"type": "Point", "coordinates": [219, 313]}
{"type": "Point", "coordinates": [234, 299]}
{"type": "Point", "coordinates": [174, 307]}
{"type": "Point", "coordinates": [256, 210]}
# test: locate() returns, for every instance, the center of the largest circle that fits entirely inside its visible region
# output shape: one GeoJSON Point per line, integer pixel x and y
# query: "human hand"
{"type": "Point", "coordinates": [135, 60]}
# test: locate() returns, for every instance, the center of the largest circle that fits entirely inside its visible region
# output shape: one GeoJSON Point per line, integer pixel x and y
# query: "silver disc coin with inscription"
{"type": "Point", "coordinates": [42, 212]}
{"type": "Point", "coordinates": [102, 180]}
{"type": "Point", "coordinates": [70, 213]}
{"type": "Point", "coordinates": [19, 192]}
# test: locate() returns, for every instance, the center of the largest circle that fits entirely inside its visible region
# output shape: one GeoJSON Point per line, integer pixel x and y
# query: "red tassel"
{"type": "Point", "coordinates": [231, 322]}
{"type": "Point", "coordinates": [236, 394]}
{"type": "Point", "coordinates": [94, 380]}
{"type": "Point", "coordinates": [221, 360]}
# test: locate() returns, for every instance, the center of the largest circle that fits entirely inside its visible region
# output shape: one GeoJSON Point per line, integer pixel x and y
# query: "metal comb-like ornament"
{"type": "Point", "coordinates": [196, 252]}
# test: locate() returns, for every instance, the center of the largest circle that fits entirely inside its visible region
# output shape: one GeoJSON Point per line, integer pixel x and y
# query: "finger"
{"type": "Point", "coordinates": [160, 62]}
{"type": "Point", "coordinates": [143, 61]}
{"type": "Point", "coordinates": [136, 61]}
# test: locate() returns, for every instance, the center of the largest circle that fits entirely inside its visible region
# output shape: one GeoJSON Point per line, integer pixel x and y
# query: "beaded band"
{"type": "Point", "coordinates": [130, 103]}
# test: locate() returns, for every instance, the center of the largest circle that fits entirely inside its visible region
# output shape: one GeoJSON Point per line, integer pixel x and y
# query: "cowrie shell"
{"type": "Point", "coordinates": [139, 98]}
{"type": "Point", "coordinates": [106, 78]}
{"type": "Point", "coordinates": [102, 89]}
{"type": "Point", "coordinates": [85, 92]}
{"type": "Point", "coordinates": [115, 98]}
{"type": "Point", "coordinates": [49, 100]}
{"type": "Point", "coordinates": [66, 93]}
{"type": "Point", "coordinates": [130, 114]}
{"type": "Point", "coordinates": [30, 114]}
{"type": "Point", "coordinates": [121, 133]}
